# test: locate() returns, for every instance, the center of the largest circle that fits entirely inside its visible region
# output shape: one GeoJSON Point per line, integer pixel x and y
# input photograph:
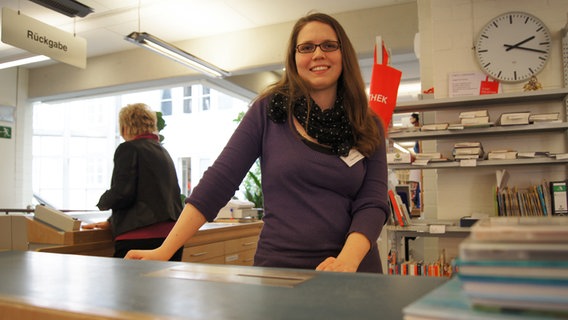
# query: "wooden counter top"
{"type": "Point", "coordinates": [42, 237]}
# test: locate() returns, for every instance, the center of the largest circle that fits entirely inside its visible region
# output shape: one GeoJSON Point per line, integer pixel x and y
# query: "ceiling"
{"type": "Point", "coordinates": [173, 20]}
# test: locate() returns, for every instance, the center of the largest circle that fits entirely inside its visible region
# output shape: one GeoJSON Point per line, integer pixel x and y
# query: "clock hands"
{"type": "Point", "coordinates": [509, 47]}
{"type": "Point", "coordinates": [518, 46]}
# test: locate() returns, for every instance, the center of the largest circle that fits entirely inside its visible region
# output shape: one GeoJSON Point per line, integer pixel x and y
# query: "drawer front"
{"type": "Point", "coordinates": [243, 258]}
{"type": "Point", "coordinates": [241, 244]}
{"type": "Point", "coordinates": [203, 252]}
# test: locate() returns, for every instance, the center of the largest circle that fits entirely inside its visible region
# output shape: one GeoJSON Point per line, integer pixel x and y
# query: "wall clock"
{"type": "Point", "coordinates": [513, 47]}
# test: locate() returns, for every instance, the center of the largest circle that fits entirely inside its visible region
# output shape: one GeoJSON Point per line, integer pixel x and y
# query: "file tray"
{"type": "Point", "coordinates": [56, 219]}
{"type": "Point", "coordinates": [522, 229]}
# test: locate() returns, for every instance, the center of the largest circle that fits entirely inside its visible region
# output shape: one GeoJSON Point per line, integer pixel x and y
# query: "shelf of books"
{"type": "Point", "coordinates": [482, 100]}
{"type": "Point", "coordinates": [401, 263]}
{"type": "Point", "coordinates": [469, 163]}
{"type": "Point", "coordinates": [507, 268]}
{"type": "Point", "coordinates": [489, 130]}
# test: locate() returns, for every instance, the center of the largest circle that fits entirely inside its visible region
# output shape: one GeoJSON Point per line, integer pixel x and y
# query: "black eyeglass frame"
{"type": "Point", "coordinates": [320, 45]}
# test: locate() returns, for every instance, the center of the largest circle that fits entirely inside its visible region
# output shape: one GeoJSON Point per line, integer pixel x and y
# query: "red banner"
{"type": "Point", "coordinates": [383, 90]}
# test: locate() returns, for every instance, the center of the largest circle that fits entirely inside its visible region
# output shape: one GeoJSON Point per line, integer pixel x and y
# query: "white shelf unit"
{"type": "Point", "coordinates": [451, 175]}
{"type": "Point", "coordinates": [527, 99]}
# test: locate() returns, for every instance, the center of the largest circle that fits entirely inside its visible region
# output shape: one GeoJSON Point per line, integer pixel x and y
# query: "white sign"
{"type": "Point", "coordinates": [37, 37]}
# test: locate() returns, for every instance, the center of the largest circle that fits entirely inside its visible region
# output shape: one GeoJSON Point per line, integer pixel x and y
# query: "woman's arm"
{"type": "Point", "coordinates": [187, 225]}
{"type": "Point", "coordinates": [355, 249]}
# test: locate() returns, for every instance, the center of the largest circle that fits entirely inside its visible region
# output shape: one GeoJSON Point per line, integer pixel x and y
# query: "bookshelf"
{"type": "Point", "coordinates": [455, 189]}
{"type": "Point", "coordinates": [399, 235]}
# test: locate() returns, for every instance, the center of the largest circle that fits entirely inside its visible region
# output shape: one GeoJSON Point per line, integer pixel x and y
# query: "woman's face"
{"type": "Point", "coordinates": [319, 69]}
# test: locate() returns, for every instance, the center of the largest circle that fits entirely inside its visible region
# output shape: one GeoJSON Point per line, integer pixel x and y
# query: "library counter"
{"type": "Point", "coordinates": [39, 285]}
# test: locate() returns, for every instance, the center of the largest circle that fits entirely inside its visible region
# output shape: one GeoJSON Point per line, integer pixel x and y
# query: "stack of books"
{"type": "Point", "coordinates": [467, 151]}
{"type": "Point", "coordinates": [502, 154]}
{"type": "Point", "coordinates": [434, 127]}
{"type": "Point", "coordinates": [514, 118]}
{"type": "Point", "coordinates": [476, 118]}
{"type": "Point", "coordinates": [516, 263]}
{"type": "Point", "coordinates": [545, 117]}
{"type": "Point", "coordinates": [508, 268]}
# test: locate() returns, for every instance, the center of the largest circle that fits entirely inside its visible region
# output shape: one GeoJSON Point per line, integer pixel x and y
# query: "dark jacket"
{"type": "Point", "coordinates": [144, 188]}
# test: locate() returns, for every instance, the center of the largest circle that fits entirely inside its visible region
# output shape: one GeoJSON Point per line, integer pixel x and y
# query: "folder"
{"type": "Point", "coordinates": [559, 198]}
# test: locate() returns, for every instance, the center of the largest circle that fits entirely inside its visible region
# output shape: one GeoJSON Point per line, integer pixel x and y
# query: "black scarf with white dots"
{"type": "Point", "coordinates": [329, 127]}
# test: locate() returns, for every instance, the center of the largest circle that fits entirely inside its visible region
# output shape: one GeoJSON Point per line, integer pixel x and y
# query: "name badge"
{"type": "Point", "coordinates": [353, 157]}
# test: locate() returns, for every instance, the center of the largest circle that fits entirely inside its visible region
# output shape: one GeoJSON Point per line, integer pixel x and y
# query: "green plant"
{"type": "Point", "coordinates": [161, 124]}
{"type": "Point", "coordinates": [253, 187]}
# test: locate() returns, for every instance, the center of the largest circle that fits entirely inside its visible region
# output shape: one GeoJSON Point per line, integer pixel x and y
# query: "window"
{"type": "Point", "coordinates": [166, 102]}
{"type": "Point", "coordinates": [187, 99]}
{"type": "Point", "coordinates": [71, 146]}
{"type": "Point", "coordinates": [74, 141]}
{"type": "Point", "coordinates": [206, 99]}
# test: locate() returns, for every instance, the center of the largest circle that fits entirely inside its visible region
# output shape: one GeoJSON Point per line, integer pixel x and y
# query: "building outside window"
{"type": "Point", "coordinates": [205, 98]}
{"type": "Point", "coordinates": [166, 105]}
{"type": "Point", "coordinates": [187, 99]}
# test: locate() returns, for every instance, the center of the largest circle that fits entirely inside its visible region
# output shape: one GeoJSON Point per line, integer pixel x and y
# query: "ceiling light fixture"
{"type": "Point", "coordinates": [70, 8]}
{"type": "Point", "coordinates": [147, 41]}
{"type": "Point", "coordinates": [4, 64]}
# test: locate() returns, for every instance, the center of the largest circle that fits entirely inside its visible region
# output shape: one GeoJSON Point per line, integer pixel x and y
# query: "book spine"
{"type": "Point", "coordinates": [396, 208]}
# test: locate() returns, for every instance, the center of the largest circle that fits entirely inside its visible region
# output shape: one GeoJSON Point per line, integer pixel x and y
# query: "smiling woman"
{"type": "Point", "coordinates": [316, 138]}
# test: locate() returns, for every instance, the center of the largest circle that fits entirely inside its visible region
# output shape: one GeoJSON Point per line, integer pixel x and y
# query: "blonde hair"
{"type": "Point", "coordinates": [136, 119]}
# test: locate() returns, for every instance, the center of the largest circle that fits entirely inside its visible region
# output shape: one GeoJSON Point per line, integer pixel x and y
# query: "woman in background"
{"type": "Point", "coordinates": [144, 195]}
{"type": "Point", "coordinates": [323, 162]}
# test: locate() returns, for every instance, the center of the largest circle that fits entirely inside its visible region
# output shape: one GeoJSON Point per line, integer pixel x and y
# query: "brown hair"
{"type": "Point", "coordinates": [350, 85]}
{"type": "Point", "coordinates": [137, 119]}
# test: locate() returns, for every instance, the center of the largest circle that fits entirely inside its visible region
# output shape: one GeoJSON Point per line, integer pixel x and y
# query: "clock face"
{"type": "Point", "coordinates": [513, 47]}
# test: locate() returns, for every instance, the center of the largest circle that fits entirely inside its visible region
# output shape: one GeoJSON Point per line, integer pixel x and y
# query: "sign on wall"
{"type": "Point", "coordinates": [37, 37]}
{"type": "Point", "coordinates": [5, 132]}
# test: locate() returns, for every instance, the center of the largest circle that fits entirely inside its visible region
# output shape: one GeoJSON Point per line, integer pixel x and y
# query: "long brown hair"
{"type": "Point", "coordinates": [351, 86]}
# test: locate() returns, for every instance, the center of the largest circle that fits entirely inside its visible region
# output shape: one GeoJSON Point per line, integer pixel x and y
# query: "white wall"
{"type": "Point", "coordinates": [448, 29]}
{"type": "Point", "coordinates": [15, 153]}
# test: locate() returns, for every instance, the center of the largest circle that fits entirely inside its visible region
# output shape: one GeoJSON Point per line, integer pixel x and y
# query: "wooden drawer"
{"type": "Point", "coordinates": [203, 252]}
{"type": "Point", "coordinates": [240, 244]}
{"type": "Point", "coordinates": [242, 258]}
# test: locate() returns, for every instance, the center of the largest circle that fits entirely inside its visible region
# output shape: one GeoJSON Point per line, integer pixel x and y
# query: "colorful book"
{"type": "Point", "coordinates": [396, 208]}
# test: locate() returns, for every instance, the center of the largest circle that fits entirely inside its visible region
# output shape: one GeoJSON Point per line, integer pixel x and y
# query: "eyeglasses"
{"type": "Point", "coordinates": [326, 46]}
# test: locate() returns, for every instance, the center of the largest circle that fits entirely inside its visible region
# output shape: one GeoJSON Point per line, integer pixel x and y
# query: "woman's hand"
{"type": "Point", "coordinates": [154, 254]}
{"type": "Point", "coordinates": [98, 225]}
{"type": "Point", "coordinates": [336, 265]}
{"type": "Point", "coordinates": [348, 260]}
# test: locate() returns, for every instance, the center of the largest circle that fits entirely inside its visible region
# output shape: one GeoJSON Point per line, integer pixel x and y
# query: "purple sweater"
{"type": "Point", "coordinates": [312, 200]}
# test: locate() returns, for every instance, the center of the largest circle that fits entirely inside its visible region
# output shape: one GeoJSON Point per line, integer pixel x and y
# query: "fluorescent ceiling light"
{"type": "Point", "coordinates": [21, 61]}
{"type": "Point", "coordinates": [70, 8]}
{"type": "Point", "coordinates": [399, 147]}
{"type": "Point", "coordinates": [163, 48]}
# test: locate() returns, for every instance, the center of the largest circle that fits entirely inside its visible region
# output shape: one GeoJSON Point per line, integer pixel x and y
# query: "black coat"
{"type": "Point", "coordinates": [144, 188]}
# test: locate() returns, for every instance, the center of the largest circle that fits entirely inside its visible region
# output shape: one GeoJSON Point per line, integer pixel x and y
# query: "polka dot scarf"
{"type": "Point", "coordinates": [330, 127]}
